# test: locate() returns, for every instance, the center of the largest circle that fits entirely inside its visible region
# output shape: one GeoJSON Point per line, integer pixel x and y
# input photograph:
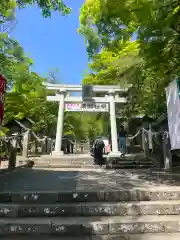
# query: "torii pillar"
{"type": "Point", "coordinates": [60, 123]}
{"type": "Point", "coordinates": [112, 110]}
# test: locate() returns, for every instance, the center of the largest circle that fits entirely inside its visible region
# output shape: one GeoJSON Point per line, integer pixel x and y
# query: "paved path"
{"type": "Point", "coordinates": [24, 179]}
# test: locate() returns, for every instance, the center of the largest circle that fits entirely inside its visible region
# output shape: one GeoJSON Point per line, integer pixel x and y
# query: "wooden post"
{"type": "Point", "coordinates": [49, 141]}
{"type": "Point", "coordinates": [82, 147]}
{"type": "Point", "coordinates": [143, 140]}
{"type": "Point", "coordinates": [150, 144]}
{"type": "Point", "coordinates": [45, 150]}
{"type": "Point", "coordinates": [167, 152]}
{"type": "Point", "coordinates": [12, 153]}
{"type": "Point", "coordinates": [26, 139]}
{"type": "Point", "coordinates": [75, 148]}
{"type": "Point", "coordinates": [145, 143]}
{"type": "Point", "coordinates": [35, 147]}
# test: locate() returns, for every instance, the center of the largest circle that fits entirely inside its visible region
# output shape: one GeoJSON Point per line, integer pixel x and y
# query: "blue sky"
{"type": "Point", "coordinates": [53, 43]}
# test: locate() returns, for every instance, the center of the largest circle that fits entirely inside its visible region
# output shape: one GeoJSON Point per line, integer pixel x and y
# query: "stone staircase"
{"type": "Point", "coordinates": [67, 161]}
{"type": "Point", "coordinates": [136, 214]}
{"type": "Point", "coordinates": [131, 161]}
{"type": "Point", "coordinates": [85, 161]}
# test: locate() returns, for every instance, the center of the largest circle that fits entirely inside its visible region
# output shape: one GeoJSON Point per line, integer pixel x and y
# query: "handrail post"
{"type": "Point", "coordinates": [12, 153]}
{"type": "Point", "coordinates": [26, 139]}
{"type": "Point", "coordinates": [167, 151]}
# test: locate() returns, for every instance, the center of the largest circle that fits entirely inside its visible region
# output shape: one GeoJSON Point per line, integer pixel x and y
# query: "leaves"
{"type": "Point", "coordinates": [47, 6]}
{"type": "Point", "coordinates": [149, 63]}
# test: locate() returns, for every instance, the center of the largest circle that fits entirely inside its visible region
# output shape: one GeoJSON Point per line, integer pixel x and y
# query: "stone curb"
{"type": "Point", "coordinates": [90, 226]}
{"type": "Point", "coordinates": [95, 195]}
{"type": "Point", "coordinates": [90, 209]}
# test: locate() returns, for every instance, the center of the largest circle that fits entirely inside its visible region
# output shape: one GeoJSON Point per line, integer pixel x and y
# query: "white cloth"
{"type": "Point", "coordinates": [173, 109]}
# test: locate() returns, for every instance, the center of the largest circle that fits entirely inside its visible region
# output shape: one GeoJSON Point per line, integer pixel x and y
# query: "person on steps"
{"type": "Point", "coordinates": [122, 140]}
{"type": "Point", "coordinates": [98, 152]}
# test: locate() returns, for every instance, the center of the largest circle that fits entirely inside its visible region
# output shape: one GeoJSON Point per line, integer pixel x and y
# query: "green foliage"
{"type": "Point", "coordinates": [154, 61]}
{"type": "Point", "coordinates": [84, 125]}
{"type": "Point", "coordinates": [28, 99]}
{"type": "Point", "coordinates": [47, 6]}
{"type": "Point", "coordinates": [6, 6]}
{"type": "Point", "coordinates": [124, 65]}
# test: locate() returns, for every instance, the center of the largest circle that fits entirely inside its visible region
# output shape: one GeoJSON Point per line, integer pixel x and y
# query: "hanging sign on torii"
{"type": "Point", "coordinates": [87, 107]}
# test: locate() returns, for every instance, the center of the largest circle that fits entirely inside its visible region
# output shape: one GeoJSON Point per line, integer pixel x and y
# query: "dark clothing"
{"type": "Point", "coordinates": [122, 133]}
{"type": "Point", "coordinates": [98, 152]}
{"type": "Point", "coordinates": [72, 147]}
{"type": "Point", "coordinates": [122, 140]}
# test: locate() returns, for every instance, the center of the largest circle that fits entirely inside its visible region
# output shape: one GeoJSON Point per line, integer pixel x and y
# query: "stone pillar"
{"type": "Point", "coordinates": [150, 138]}
{"type": "Point", "coordinates": [112, 110]}
{"type": "Point", "coordinates": [12, 153]}
{"type": "Point", "coordinates": [143, 139]}
{"type": "Point", "coordinates": [60, 124]}
{"type": "Point", "coordinates": [26, 139]}
{"type": "Point", "coordinates": [167, 151]}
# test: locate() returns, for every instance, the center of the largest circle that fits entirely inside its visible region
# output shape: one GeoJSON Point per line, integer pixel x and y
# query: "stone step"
{"type": "Point", "coordinates": [95, 169]}
{"type": "Point", "coordinates": [85, 162]}
{"type": "Point", "coordinates": [62, 159]}
{"type": "Point", "coordinates": [134, 166]}
{"type": "Point", "coordinates": [91, 209]}
{"type": "Point", "coordinates": [82, 160]}
{"type": "Point", "coordinates": [92, 166]}
{"type": "Point", "coordinates": [66, 166]}
{"type": "Point", "coordinates": [133, 162]}
{"type": "Point", "coordinates": [129, 161]}
{"type": "Point", "coordinates": [93, 195]}
{"type": "Point", "coordinates": [89, 226]}
{"type": "Point", "coordinates": [145, 236]}
{"type": "Point", "coordinates": [59, 162]}
{"type": "Point", "coordinates": [68, 162]}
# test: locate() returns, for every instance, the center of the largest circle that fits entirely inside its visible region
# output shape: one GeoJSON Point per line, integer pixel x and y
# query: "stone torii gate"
{"type": "Point", "coordinates": [112, 95]}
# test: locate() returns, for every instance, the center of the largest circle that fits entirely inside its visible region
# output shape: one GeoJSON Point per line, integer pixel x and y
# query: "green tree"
{"type": "Point", "coordinates": [157, 27]}
{"type": "Point", "coordinates": [47, 6]}
{"type": "Point", "coordinates": [123, 65]}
